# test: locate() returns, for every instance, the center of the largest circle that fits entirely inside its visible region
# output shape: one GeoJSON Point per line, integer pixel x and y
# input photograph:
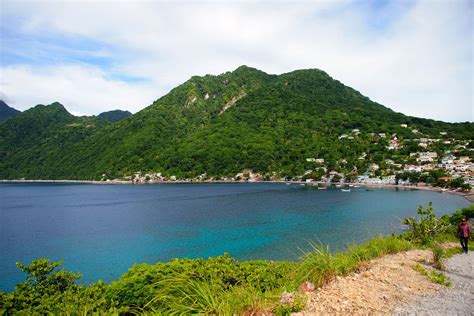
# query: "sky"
{"type": "Point", "coordinates": [415, 57]}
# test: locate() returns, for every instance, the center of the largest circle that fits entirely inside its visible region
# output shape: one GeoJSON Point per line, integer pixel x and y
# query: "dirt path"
{"type": "Point", "coordinates": [388, 283]}
{"type": "Point", "coordinates": [457, 300]}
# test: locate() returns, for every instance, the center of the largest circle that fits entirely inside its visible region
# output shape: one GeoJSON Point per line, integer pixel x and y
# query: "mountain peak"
{"type": "Point", "coordinates": [246, 69]}
{"type": "Point", "coordinates": [6, 111]}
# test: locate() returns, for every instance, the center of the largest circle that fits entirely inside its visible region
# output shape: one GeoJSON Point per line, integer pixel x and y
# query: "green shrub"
{"type": "Point", "coordinates": [47, 291]}
{"type": "Point", "coordinates": [427, 226]}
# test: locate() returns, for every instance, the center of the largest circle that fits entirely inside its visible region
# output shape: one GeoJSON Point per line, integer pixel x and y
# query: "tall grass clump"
{"type": "Point", "coordinates": [439, 255]}
{"type": "Point", "coordinates": [433, 276]}
{"type": "Point", "coordinates": [319, 265]}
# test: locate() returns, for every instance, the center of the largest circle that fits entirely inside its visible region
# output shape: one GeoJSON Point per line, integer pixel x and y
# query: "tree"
{"type": "Point", "coordinates": [427, 227]}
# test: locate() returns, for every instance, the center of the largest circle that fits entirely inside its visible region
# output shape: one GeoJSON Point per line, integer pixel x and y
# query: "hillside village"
{"type": "Point", "coordinates": [422, 161]}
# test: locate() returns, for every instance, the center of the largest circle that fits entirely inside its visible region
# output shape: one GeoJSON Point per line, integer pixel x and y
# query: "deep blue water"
{"type": "Point", "coordinates": [101, 230]}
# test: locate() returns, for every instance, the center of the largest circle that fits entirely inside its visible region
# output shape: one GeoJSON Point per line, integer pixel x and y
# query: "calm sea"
{"type": "Point", "coordinates": [101, 230]}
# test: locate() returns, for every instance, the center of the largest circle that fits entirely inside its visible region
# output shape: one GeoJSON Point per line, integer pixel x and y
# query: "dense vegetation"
{"type": "Point", "coordinates": [6, 111]}
{"type": "Point", "coordinates": [218, 126]}
{"type": "Point", "coordinates": [220, 285]}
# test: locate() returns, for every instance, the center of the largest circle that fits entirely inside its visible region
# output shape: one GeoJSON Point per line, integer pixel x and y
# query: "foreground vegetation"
{"type": "Point", "coordinates": [220, 285]}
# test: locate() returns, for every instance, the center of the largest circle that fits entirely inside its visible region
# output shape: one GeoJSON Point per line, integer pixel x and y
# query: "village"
{"type": "Point", "coordinates": [439, 162]}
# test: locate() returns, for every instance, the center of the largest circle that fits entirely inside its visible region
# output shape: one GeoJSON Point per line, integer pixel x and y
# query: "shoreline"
{"type": "Point", "coordinates": [468, 196]}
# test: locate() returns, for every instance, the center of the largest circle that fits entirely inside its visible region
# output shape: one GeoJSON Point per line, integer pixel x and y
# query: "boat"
{"type": "Point", "coordinates": [322, 188]}
{"type": "Point", "coordinates": [346, 190]}
{"type": "Point", "coordinates": [338, 185]}
{"type": "Point", "coordinates": [287, 183]}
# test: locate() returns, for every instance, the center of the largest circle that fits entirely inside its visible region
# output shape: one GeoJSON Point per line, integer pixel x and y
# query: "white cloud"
{"type": "Point", "coordinates": [84, 90]}
{"type": "Point", "coordinates": [418, 61]}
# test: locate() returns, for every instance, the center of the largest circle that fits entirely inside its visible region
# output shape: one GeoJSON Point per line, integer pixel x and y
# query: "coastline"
{"type": "Point", "coordinates": [469, 196]}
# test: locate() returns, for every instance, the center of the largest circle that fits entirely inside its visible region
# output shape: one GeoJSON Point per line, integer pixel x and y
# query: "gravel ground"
{"type": "Point", "coordinates": [456, 300]}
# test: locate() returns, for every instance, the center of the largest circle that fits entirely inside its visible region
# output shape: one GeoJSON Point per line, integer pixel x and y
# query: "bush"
{"type": "Point", "coordinates": [47, 291]}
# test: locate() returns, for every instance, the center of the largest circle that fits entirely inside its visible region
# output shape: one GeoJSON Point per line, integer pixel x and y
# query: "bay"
{"type": "Point", "coordinates": [102, 230]}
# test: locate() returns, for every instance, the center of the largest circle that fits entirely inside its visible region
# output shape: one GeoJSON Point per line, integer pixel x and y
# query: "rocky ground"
{"type": "Point", "coordinates": [390, 285]}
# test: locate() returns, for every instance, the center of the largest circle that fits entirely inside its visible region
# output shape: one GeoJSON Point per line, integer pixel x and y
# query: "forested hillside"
{"type": "Point", "coordinates": [218, 126]}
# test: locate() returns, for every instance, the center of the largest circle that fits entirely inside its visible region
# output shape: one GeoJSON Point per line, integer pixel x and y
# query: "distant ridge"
{"type": "Point", "coordinates": [115, 115]}
{"type": "Point", "coordinates": [6, 111]}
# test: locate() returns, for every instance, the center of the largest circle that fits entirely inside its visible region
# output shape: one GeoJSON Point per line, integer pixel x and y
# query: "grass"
{"type": "Point", "coordinates": [433, 276]}
{"type": "Point", "coordinates": [319, 265]}
{"type": "Point", "coordinates": [439, 255]}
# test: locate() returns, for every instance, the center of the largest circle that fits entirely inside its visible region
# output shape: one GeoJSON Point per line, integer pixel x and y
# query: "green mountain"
{"type": "Point", "coordinates": [218, 125]}
{"type": "Point", "coordinates": [114, 116]}
{"type": "Point", "coordinates": [6, 111]}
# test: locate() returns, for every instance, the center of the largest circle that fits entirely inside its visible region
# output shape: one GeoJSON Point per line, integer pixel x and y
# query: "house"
{"type": "Point", "coordinates": [443, 133]}
{"type": "Point", "coordinates": [424, 159]}
{"type": "Point", "coordinates": [404, 125]}
{"type": "Point", "coordinates": [374, 167]}
{"type": "Point", "coordinates": [427, 156]}
{"type": "Point", "coordinates": [423, 145]}
{"type": "Point", "coordinates": [363, 178]}
{"type": "Point", "coordinates": [449, 159]}
{"type": "Point", "coordinates": [311, 159]}
{"type": "Point", "coordinates": [356, 131]}
{"type": "Point", "coordinates": [393, 144]}
{"type": "Point", "coordinates": [382, 135]}
{"type": "Point", "coordinates": [343, 136]}
{"type": "Point", "coordinates": [412, 168]}
{"type": "Point", "coordinates": [319, 160]}
{"type": "Point", "coordinates": [389, 179]}
{"type": "Point", "coordinates": [432, 154]}
{"type": "Point", "coordinates": [414, 131]}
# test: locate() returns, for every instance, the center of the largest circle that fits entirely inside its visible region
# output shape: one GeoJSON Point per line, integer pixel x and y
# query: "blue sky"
{"type": "Point", "coordinates": [415, 57]}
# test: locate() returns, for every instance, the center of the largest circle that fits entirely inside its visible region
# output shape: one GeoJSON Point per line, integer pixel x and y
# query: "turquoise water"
{"type": "Point", "coordinates": [101, 230]}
